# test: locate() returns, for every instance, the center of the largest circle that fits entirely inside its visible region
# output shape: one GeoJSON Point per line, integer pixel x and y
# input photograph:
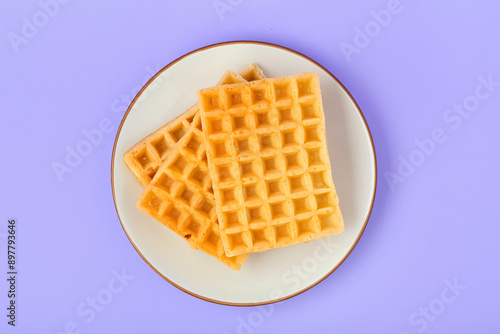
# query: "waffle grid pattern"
{"type": "Point", "coordinates": [268, 159]}
{"type": "Point", "coordinates": [144, 158]}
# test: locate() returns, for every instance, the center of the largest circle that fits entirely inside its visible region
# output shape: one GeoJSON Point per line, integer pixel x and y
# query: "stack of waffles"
{"type": "Point", "coordinates": [245, 170]}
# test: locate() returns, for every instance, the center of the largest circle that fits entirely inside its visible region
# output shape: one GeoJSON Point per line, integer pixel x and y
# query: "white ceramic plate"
{"type": "Point", "coordinates": [269, 276]}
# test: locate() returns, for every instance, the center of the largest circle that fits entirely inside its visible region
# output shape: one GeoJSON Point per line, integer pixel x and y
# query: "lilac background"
{"type": "Point", "coordinates": [438, 226]}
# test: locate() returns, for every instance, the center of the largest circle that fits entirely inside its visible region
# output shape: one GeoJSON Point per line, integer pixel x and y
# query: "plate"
{"type": "Point", "coordinates": [268, 276]}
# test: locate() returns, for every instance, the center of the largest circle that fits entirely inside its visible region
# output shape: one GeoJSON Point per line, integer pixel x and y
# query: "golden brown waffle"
{"type": "Point", "coordinates": [145, 157]}
{"type": "Point", "coordinates": [269, 164]}
{"type": "Point", "coordinates": [181, 196]}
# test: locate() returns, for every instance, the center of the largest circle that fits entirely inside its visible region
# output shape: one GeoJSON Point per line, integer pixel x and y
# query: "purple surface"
{"type": "Point", "coordinates": [428, 260]}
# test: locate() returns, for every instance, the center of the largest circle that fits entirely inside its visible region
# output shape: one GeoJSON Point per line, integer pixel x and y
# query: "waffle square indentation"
{"type": "Point", "coordinates": [290, 138]}
{"type": "Point", "coordinates": [309, 111]}
{"type": "Point", "coordinates": [215, 125]}
{"type": "Point", "coordinates": [179, 164]}
{"type": "Point", "coordinates": [275, 187]}
{"type": "Point", "coordinates": [260, 237]}
{"type": "Point", "coordinates": [210, 102]}
{"type": "Point", "coordinates": [224, 173]}
{"type": "Point", "coordinates": [165, 182]}
{"type": "Point", "coordinates": [243, 145]}
{"type": "Point", "coordinates": [205, 208]}
{"type": "Point", "coordinates": [302, 205]}
{"type": "Point", "coordinates": [282, 91]}
{"type": "Point", "coordinates": [173, 214]}
{"type": "Point", "coordinates": [232, 219]}
{"type": "Point", "coordinates": [186, 195]}
{"type": "Point", "coordinates": [228, 196]}
{"type": "Point", "coordinates": [324, 200]}
{"type": "Point", "coordinates": [285, 115]}
{"type": "Point", "coordinates": [318, 180]}
{"type": "Point", "coordinates": [280, 210]}
{"type": "Point", "coordinates": [197, 176]}
{"type": "Point", "coordinates": [315, 157]}
{"type": "Point", "coordinates": [239, 122]}
{"type": "Point", "coordinates": [305, 226]}
{"type": "Point", "coordinates": [161, 146]}
{"type": "Point", "coordinates": [249, 169]}
{"type": "Point", "coordinates": [305, 87]}
{"type": "Point", "coordinates": [143, 158]}
{"type": "Point", "coordinates": [254, 215]}
{"type": "Point", "coordinates": [259, 94]}
{"type": "Point", "coordinates": [311, 134]}
{"type": "Point", "coordinates": [193, 145]}
{"type": "Point", "coordinates": [283, 233]}
{"type": "Point", "coordinates": [220, 149]}
{"type": "Point", "coordinates": [262, 119]}
{"type": "Point", "coordinates": [268, 142]}
{"type": "Point", "coordinates": [179, 132]}
{"type": "Point", "coordinates": [297, 184]}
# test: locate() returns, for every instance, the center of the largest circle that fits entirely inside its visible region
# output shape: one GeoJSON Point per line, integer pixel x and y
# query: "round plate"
{"type": "Point", "coordinates": [268, 276]}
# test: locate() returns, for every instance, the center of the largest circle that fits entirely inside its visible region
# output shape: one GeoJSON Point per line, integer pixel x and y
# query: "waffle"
{"type": "Point", "coordinates": [145, 157]}
{"type": "Point", "coordinates": [181, 196]}
{"type": "Point", "coordinates": [268, 160]}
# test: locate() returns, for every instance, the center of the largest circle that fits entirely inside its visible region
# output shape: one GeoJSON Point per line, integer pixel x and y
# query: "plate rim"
{"type": "Point", "coordinates": [235, 42]}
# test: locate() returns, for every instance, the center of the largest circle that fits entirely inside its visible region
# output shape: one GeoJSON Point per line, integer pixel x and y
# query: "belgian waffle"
{"type": "Point", "coordinates": [181, 196]}
{"type": "Point", "coordinates": [145, 157]}
{"type": "Point", "coordinates": [269, 164]}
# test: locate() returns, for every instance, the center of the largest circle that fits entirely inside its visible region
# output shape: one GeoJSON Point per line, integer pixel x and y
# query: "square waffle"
{"type": "Point", "coordinates": [181, 196]}
{"type": "Point", "coordinates": [269, 164]}
{"type": "Point", "coordinates": [145, 157]}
